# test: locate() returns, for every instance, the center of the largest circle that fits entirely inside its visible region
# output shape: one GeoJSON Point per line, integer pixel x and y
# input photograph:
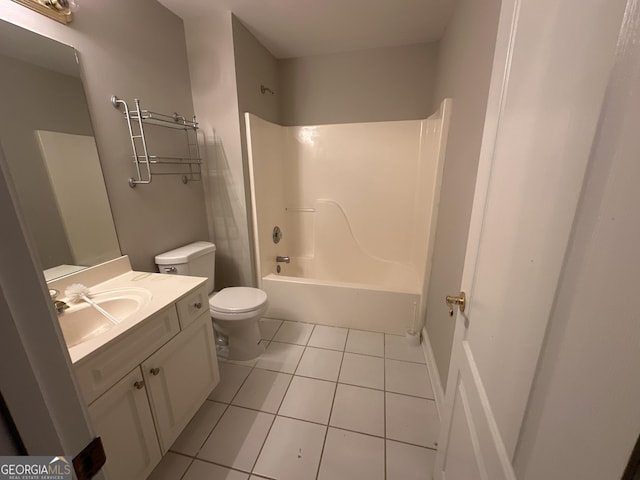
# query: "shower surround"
{"type": "Point", "coordinates": [357, 207]}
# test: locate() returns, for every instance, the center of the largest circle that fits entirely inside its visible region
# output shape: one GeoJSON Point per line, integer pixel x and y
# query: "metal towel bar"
{"type": "Point", "coordinates": [188, 166]}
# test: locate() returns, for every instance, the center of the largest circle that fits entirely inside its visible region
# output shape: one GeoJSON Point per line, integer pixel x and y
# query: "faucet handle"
{"type": "Point", "coordinates": [53, 293]}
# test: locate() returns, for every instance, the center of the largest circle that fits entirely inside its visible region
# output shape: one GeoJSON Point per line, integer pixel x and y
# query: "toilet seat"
{"type": "Point", "coordinates": [237, 302]}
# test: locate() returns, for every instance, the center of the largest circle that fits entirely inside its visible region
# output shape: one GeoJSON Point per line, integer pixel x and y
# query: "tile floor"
{"type": "Point", "coordinates": [321, 403]}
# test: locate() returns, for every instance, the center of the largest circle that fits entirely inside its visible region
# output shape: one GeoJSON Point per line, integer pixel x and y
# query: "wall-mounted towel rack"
{"type": "Point", "coordinates": [188, 166]}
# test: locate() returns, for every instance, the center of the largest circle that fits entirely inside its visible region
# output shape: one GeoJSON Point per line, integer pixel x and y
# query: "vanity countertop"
{"type": "Point", "coordinates": [165, 290]}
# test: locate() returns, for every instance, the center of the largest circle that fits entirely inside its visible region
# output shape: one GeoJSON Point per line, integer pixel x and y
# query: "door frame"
{"type": "Point", "coordinates": [37, 383]}
{"type": "Point", "coordinates": [516, 26]}
{"type": "Point", "coordinates": [503, 54]}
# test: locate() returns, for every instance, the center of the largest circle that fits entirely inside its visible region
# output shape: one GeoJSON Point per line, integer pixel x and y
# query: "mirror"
{"type": "Point", "coordinates": [47, 139]}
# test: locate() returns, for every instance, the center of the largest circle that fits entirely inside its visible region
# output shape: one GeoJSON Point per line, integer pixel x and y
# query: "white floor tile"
{"type": "Point", "coordinates": [352, 456]}
{"type": "Point", "coordinates": [397, 347]}
{"type": "Point", "coordinates": [308, 399]}
{"type": "Point", "coordinates": [359, 409]}
{"type": "Point", "coordinates": [263, 390]}
{"type": "Point", "coordinates": [408, 378]}
{"type": "Point", "coordinates": [281, 357]}
{"type": "Point", "coordinates": [320, 363]}
{"type": "Point", "coordinates": [237, 439]}
{"type": "Point", "coordinates": [366, 343]}
{"type": "Point", "coordinates": [171, 467]}
{"type": "Point", "coordinates": [362, 370]}
{"type": "Point", "coordinates": [199, 428]}
{"type": "Point", "coordinates": [333, 338]}
{"type": "Point", "coordinates": [207, 471]}
{"type": "Point", "coordinates": [412, 420]}
{"type": "Point", "coordinates": [292, 450]}
{"type": "Point", "coordinates": [269, 327]}
{"type": "Point", "coordinates": [294, 332]}
{"type": "Point", "coordinates": [408, 462]}
{"type": "Point", "coordinates": [231, 378]}
{"type": "Point", "coordinates": [246, 363]}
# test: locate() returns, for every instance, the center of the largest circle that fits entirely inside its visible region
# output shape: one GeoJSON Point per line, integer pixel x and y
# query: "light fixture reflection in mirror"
{"type": "Point", "coordinates": [60, 10]}
{"type": "Point", "coordinates": [49, 145]}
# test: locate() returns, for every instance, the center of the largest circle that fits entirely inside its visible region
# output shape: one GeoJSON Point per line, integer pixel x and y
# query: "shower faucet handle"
{"type": "Point", "coordinates": [280, 259]}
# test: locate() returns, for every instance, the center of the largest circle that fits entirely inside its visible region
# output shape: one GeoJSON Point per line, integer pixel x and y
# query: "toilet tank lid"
{"type": "Point", "coordinates": [185, 254]}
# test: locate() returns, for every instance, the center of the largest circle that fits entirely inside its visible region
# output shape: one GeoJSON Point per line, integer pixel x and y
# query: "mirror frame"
{"type": "Point", "coordinates": [63, 16]}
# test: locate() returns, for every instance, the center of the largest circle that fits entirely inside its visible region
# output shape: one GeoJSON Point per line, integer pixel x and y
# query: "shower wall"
{"type": "Point", "coordinates": [357, 199]}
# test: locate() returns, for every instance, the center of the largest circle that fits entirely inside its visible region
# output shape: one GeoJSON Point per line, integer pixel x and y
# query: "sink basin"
{"type": "Point", "coordinates": [82, 322]}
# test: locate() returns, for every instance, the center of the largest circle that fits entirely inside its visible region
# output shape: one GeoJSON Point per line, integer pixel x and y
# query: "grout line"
{"type": "Point", "coordinates": [233, 469]}
{"type": "Point", "coordinates": [384, 411]}
{"type": "Point", "coordinates": [341, 382]}
{"type": "Point", "coordinates": [313, 423]}
{"type": "Point", "coordinates": [275, 416]}
{"type": "Point", "coordinates": [193, 460]}
{"type": "Point", "coordinates": [264, 442]}
{"type": "Point", "coordinates": [412, 444]}
{"type": "Point", "coordinates": [336, 382]}
{"type": "Point", "coordinates": [209, 434]}
{"type": "Point", "coordinates": [333, 401]}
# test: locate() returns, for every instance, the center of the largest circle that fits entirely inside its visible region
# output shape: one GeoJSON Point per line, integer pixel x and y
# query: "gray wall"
{"type": "Point", "coordinates": [465, 56]}
{"type": "Point", "coordinates": [39, 99]}
{"type": "Point", "coordinates": [134, 50]}
{"type": "Point", "coordinates": [255, 66]}
{"type": "Point", "coordinates": [371, 85]}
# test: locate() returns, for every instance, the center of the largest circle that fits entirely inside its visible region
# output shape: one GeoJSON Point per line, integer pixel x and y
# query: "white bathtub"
{"type": "Point", "coordinates": [391, 308]}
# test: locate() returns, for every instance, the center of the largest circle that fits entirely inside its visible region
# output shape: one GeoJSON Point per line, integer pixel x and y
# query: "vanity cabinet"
{"type": "Point", "coordinates": [122, 417]}
{"type": "Point", "coordinates": [179, 377]}
{"type": "Point", "coordinates": [171, 371]}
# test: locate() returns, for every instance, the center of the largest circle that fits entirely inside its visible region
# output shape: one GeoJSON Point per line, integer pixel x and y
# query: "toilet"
{"type": "Point", "coordinates": [235, 310]}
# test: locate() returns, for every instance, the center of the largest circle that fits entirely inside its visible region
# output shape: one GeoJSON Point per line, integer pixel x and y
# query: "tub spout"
{"type": "Point", "coordinates": [283, 259]}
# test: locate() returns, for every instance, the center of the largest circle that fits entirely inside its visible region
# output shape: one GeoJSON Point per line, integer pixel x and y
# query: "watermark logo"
{"type": "Point", "coordinates": [35, 468]}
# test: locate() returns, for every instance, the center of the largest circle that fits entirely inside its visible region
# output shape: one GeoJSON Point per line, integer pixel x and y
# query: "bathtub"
{"type": "Point", "coordinates": [392, 306]}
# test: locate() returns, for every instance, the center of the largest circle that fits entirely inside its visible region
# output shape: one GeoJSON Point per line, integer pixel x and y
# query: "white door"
{"type": "Point", "coordinates": [550, 71]}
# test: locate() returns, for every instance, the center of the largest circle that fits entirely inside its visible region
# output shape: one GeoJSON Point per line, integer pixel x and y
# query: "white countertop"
{"type": "Point", "coordinates": [165, 290]}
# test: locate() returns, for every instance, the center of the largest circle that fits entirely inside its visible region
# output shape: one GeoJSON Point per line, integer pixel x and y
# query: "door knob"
{"type": "Point", "coordinates": [459, 300]}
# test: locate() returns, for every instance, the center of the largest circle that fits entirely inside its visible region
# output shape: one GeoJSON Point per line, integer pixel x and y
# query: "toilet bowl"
{"type": "Point", "coordinates": [235, 310]}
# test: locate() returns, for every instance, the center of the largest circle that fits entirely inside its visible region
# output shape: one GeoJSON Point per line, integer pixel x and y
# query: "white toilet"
{"type": "Point", "coordinates": [235, 310]}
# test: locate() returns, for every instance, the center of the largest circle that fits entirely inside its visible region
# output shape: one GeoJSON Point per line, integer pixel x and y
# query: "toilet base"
{"type": "Point", "coordinates": [238, 342]}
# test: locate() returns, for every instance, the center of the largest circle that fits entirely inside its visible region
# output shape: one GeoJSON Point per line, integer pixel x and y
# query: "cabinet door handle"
{"type": "Point", "coordinates": [139, 384]}
{"type": "Point", "coordinates": [198, 305]}
{"type": "Point", "coordinates": [154, 371]}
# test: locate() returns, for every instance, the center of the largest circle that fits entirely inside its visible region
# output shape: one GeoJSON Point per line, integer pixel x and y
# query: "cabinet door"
{"type": "Point", "coordinates": [122, 418]}
{"type": "Point", "coordinates": [179, 378]}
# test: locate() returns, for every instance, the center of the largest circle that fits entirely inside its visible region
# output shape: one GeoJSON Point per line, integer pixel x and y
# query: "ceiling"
{"type": "Point", "coordinates": [299, 28]}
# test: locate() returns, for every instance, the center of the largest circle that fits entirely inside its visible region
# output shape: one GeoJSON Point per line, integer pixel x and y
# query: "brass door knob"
{"type": "Point", "coordinates": [459, 300]}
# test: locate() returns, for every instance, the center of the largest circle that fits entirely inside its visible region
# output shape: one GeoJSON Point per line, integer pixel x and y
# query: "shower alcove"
{"type": "Point", "coordinates": [357, 206]}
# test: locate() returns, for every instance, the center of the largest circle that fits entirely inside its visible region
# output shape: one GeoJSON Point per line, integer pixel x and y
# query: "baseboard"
{"type": "Point", "coordinates": [438, 391]}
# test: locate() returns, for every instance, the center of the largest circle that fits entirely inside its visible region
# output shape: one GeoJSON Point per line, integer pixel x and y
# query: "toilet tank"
{"type": "Point", "coordinates": [197, 259]}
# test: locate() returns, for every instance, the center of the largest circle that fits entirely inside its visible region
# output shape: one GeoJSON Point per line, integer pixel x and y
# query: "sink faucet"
{"type": "Point", "coordinates": [282, 259]}
{"type": "Point", "coordinates": [59, 305]}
